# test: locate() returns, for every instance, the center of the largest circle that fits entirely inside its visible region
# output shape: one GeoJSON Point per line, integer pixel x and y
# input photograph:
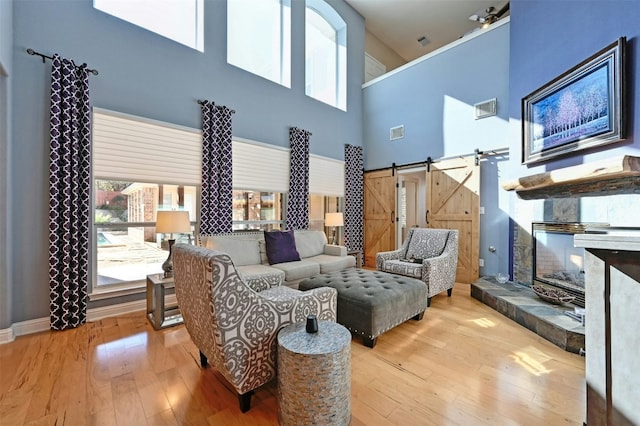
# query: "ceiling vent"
{"type": "Point", "coordinates": [396, 132]}
{"type": "Point", "coordinates": [424, 41]}
{"type": "Point", "coordinates": [486, 108]}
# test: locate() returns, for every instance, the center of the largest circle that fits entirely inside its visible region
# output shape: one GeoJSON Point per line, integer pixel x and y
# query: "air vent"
{"type": "Point", "coordinates": [424, 41]}
{"type": "Point", "coordinates": [396, 133]}
{"type": "Point", "coordinates": [486, 108]}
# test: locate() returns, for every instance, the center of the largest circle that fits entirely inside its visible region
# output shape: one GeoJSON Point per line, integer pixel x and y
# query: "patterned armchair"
{"type": "Point", "coordinates": [430, 255]}
{"type": "Point", "coordinates": [233, 326]}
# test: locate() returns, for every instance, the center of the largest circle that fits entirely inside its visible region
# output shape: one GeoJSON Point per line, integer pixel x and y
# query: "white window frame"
{"type": "Point", "coordinates": [326, 12]}
{"type": "Point", "coordinates": [161, 17]}
{"type": "Point", "coordinates": [238, 51]}
{"type": "Point", "coordinates": [100, 291]}
{"type": "Point", "coordinates": [150, 152]}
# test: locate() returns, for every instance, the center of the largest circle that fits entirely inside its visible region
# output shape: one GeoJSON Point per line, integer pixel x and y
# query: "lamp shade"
{"type": "Point", "coordinates": [172, 222]}
{"type": "Point", "coordinates": [333, 219]}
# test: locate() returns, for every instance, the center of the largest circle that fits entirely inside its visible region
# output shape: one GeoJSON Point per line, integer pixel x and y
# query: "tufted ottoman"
{"type": "Point", "coordinates": [372, 302]}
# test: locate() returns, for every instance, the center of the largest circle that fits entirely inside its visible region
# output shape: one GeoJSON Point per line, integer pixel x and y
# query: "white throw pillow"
{"type": "Point", "coordinates": [310, 243]}
{"type": "Point", "coordinates": [242, 251]}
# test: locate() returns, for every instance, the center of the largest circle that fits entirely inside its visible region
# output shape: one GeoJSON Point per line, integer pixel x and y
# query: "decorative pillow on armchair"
{"type": "Point", "coordinates": [281, 247]}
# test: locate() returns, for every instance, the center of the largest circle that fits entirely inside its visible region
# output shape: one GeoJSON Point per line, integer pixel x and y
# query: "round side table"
{"type": "Point", "coordinates": [314, 375]}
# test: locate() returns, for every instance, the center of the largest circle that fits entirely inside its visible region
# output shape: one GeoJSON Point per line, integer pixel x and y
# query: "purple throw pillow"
{"type": "Point", "coordinates": [281, 247]}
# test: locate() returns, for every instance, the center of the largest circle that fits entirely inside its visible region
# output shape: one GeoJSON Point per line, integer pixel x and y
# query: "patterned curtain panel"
{"type": "Point", "coordinates": [216, 212]}
{"type": "Point", "coordinates": [298, 201]}
{"type": "Point", "coordinates": [69, 194]}
{"type": "Point", "coordinates": [354, 198]}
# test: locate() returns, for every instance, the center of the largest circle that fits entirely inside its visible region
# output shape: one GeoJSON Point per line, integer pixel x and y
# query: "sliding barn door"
{"type": "Point", "coordinates": [453, 202]}
{"type": "Point", "coordinates": [379, 214]}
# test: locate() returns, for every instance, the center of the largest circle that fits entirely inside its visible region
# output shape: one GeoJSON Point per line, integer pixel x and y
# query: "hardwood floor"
{"type": "Point", "coordinates": [462, 364]}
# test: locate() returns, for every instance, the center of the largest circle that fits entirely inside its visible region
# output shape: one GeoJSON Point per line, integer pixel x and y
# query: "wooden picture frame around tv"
{"type": "Point", "coordinates": [580, 109]}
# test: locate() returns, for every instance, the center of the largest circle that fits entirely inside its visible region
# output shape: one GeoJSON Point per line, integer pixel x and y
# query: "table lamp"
{"type": "Point", "coordinates": [334, 220]}
{"type": "Point", "coordinates": [170, 222]}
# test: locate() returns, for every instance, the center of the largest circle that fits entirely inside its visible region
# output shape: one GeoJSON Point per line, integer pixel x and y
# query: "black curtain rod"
{"type": "Point", "coordinates": [298, 128]}
{"type": "Point", "coordinates": [43, 56]}
{"type": "Point", "coordinates": [202, 102]}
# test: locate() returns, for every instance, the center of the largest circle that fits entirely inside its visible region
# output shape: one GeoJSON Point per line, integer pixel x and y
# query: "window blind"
{"type": "Point", "coordinates": [326, 176]}
{"type": "Point", "coordinates": [264, 167]}
{"type": "Point", "coordinates": [137, 149]}
{"type": "Point", "coordinates": [260, 167]}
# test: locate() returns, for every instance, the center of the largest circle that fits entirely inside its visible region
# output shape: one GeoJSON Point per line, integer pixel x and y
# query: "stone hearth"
{"type": "Point", "coordinates": [521, 304]}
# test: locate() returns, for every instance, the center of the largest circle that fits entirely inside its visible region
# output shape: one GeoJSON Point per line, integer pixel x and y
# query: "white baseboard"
{"type": "Point", "coordinates": [6, 335]}
{"type": "Point", "coordinates": [31, 326]}
{"type": "Point", "coordinates": [24, 327]}
{"type": "Point", "coordinates": [95, 314]}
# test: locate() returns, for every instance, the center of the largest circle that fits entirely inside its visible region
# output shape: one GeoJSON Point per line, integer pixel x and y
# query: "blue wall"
{"type": "Point", "coordinates": [6, 70]}
{"type": "Point", "coordinates": [549, 37]}
{"type": "Point", "coordinates": [434, 97]}
{"type": "Point", "coordinates": [6, 41]}
{"type": "Point", "coordinates": [144, 74]}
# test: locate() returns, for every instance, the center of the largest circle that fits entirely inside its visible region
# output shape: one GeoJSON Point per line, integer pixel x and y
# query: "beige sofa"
{"type": "Point", "coordinates": [248, 252]}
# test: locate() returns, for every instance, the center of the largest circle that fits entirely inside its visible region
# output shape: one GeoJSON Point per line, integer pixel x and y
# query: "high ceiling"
{"type": "Point", "coordinates": [400, 23]}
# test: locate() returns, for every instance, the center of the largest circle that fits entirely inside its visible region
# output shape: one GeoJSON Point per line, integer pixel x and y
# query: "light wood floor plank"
{"type": "Point", "coordinates": [463, 364]}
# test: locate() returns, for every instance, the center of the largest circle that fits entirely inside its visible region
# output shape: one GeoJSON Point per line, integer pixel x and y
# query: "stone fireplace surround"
{"type": "Point", "coordinates": [599, 192]}
{"type": "Point", "coordinates": [520, 304]}
{"type": "Point", "coordinates": [612, 277]}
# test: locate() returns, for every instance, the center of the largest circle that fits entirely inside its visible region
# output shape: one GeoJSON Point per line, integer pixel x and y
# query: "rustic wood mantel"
{"type": "Point", "coordinates": [619, 175]}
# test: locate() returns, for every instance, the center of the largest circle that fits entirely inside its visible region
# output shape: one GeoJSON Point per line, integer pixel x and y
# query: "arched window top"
{"type": "Point", "coordinates": [328, 13]}
{"type": "Point", "coordinates": [325, 54]}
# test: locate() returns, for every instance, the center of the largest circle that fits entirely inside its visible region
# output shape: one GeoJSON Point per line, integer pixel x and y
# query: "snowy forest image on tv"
{"type": "Point", "coordinates": [578, 111]}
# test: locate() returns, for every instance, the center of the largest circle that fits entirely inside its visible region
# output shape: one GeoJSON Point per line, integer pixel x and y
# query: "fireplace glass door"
{"type": "Point", "coordinates": [556, 262]}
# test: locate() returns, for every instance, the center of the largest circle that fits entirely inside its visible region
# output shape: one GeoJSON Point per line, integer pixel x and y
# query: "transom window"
{"type": "Point", "coordinates": [178, 20]}
{"type": "Point", "coordinates": [325, 54]}
{"type": "Point", "coordinates": [259, 38]}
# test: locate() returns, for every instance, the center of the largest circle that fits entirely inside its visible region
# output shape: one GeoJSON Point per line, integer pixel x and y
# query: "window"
{"type": "Point", "coordinates": [319, 205]}
{"type": "Point", "coordinates": [326, 188]}
{"type": "Point", "coordinates": [255, 210]}
{"type": "Point", "coordinates": [127, 246]}
{"type": "Point", "coordinates": [259, 38]}
{"type": "Point", "coordinates": [178, 20]}
{"type": "Point", "coordinates": [325, 54]}
{"type": "Point", "coordinates": [140, 167]}
{"type": "Point", "coordinates": [265, 169]}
